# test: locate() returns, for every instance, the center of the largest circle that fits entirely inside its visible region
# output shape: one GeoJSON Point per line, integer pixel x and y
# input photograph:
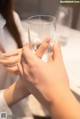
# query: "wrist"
{"type": "Point", "coordinates": [22, 89]}
{"type": "Point", "coordinates": [15, 93]}
{"type": "Point", "coordinates": [63, 103]}
{"type": "Point", "coordinates": [54, 92]}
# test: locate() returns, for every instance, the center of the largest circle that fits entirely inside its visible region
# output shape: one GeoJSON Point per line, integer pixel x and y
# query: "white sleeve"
{"type": "Point", "coordinates": [22, 30]}
{"type": "Point", "coordinates": [3, 106]}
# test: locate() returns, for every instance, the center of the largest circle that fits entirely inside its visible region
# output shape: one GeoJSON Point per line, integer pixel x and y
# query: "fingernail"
{"type": "Point", "coordinates": [48, 40]}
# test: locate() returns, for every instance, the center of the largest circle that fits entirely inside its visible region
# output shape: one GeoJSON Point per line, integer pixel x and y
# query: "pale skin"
{"type": "Point", "coordinates": [10, 60]}
{"type": "Point", "coordinates": [48, 82]}
{"type": "Point", "coordinates": [1, 48]}
{"type": "Point", "coordinates": [18, 90]}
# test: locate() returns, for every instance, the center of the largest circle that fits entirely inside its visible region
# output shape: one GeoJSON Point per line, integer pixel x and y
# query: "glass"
{"type": "Point", "coordinates": [64, 22]}
{"type": "Point", "coordinates": [39, 28]}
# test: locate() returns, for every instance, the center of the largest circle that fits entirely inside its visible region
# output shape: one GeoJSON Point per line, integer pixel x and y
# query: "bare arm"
{"type": "Point", "coordinates": [15, 92]}
{"type": "Point", "coordinates": [64, 105]}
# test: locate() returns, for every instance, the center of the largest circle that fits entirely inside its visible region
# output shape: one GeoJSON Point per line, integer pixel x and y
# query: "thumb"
{"type": "Point", "coordinates": [56, 51]}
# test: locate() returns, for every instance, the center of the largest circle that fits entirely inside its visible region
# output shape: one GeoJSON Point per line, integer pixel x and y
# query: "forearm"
{"type": "Point", "coordinates": [64, 105]}
{"type": "Point", "coordinates": [15, 92]}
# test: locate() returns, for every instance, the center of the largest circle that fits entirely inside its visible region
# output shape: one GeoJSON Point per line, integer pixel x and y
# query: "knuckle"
{"type": "Point", "coordinates": [33, 64]}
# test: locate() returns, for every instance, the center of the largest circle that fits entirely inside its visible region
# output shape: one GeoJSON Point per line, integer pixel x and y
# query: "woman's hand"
{"type": "Point", "coordinates": [44, 76]}
{"type": "Point", "coordinates": [46, 81]}
{"type": "Point", "coordinates": [19, 89]}
{"type": "Point", "coordinates": [10, 60]}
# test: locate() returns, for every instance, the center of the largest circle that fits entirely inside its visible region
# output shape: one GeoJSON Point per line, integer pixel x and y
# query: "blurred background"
{"type": "Point", "coordinates": [26, 8]}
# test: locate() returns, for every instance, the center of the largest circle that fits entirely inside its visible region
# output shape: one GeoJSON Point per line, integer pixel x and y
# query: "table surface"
{"type": "Point", "coordinates": [71, 56]}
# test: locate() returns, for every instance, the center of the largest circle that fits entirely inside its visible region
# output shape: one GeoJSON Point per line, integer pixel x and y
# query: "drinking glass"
{"type": "Point", "coordinates": [64, 21]}
{"type": "Point", "coordinates": [39, 28]}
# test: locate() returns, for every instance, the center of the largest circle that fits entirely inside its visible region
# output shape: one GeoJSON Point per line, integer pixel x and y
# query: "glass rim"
{"type": "Point", "coordinates": [36, 16]}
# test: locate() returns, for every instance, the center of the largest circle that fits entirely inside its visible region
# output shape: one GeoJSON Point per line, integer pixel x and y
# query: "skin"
{"type": "Point", "coordinates": [18, 90]}
{"type": "Point", "coordinates": [48, 82]}
{"type": "Point", "coordinates": [10, 60]}
{"type": "Point", "coordinates": [1, 48]}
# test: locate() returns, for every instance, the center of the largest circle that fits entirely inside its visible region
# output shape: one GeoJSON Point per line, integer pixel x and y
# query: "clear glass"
{"type": "Point", "coordinates": [64, 21]}
{"type": "Point", "coordinates": [39, 28]}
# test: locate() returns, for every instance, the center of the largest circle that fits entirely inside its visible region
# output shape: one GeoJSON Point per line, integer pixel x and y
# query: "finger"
{"type": "Point", "coordinates": [56, 51]}
{"type": "Point", "coordinates": [13, 70]}
{"type": "Point", "coordinates": [27, 45]}
{"type": "Point", "coordinates": [20, 68]}
{"type": "Point", "coordinates": [29, 57]}
{"type": "Point", "coordinates": [25, 68]}
{"type": "Point", "coordinates": [2, 57]}
{"type": "Point", "coordinates": [9, 54]}
{"type": "Point", "coordinates": [22, 58]}
{"type": "Point", "coordinates": [10, 61]}
{"type": "Point", "coordinates": [23, 71]}
{"type": "Point", "coordinates": [27, 73]}
{"type": "Point", "coordinates": [42, 48]}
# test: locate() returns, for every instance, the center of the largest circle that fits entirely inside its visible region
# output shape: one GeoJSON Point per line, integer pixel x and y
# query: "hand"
{"type": "Point", "coordinates": [44, 78]}
{"type": "Point", "coordinates": [48, 82]}
{"type": "Point", "coordinates": [10, 60]}
{"type": "Point", "coordinates": [19, 89]}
